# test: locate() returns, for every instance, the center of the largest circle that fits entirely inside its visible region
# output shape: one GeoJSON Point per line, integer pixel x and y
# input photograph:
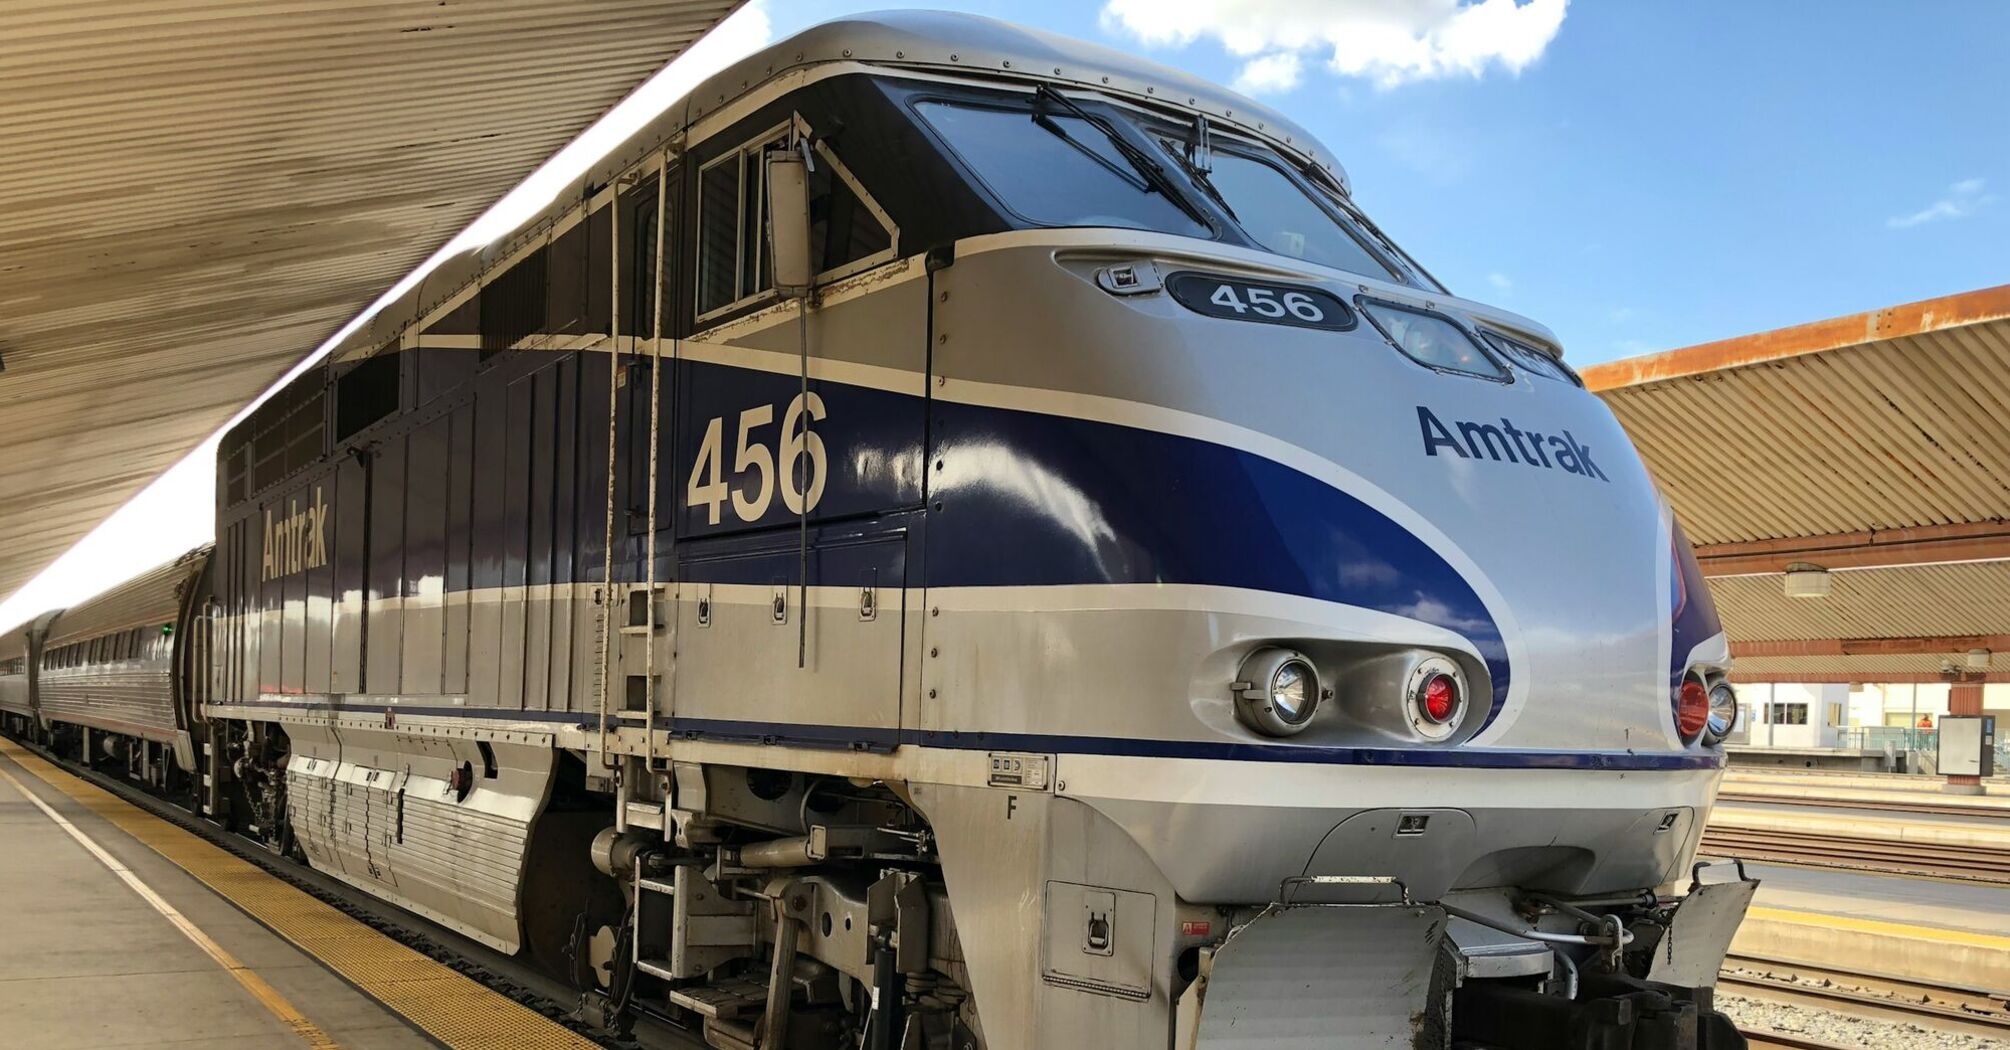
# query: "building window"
{"type": "Point", "coordinates": [1790, 714]}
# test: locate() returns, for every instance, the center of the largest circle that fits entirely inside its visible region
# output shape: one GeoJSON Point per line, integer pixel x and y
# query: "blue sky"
{"type": "Point", "coordinates": [1660, 173]}
{"type": "Point", "coordinates": [1637, 174]}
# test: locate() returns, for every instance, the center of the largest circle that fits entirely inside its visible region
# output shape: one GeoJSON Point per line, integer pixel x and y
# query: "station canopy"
{"type": "Point", "coordinates": [1870, 454]}
{"type": "Point", "coordinates": [193, 196]}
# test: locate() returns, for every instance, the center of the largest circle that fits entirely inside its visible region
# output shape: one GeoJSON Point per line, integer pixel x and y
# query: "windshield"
{"type": "Point", "coordinates": [1057, 169]}
{"type": "Point", "coordinates": [1278, 214]}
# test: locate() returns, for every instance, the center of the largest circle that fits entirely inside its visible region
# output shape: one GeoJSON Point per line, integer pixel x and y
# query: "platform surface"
{"type": "Point", "coordinates": [1938, 903]}
{"type": "Point", "coordinates": [86, 961]}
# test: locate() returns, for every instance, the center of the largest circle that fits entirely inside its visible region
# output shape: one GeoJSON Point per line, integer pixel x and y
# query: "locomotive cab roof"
{"type": "Point", "coordinates": [937, 42]}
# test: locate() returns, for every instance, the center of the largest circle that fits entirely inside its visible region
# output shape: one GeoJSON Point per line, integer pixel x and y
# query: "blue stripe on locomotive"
{"type": "Point", "coordinates": [1692, 613]}
{"type": "Point", "coordinates": [1026, 498]}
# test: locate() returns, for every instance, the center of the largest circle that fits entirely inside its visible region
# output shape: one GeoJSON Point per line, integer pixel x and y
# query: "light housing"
{"type": "Point", "coordinates": [1692, 709]}
{"type": "Point", "coordinates": [1723, 715]}
{"type": "Point", "coordinates": [1277, 692]}
{"type": "Point", "coordinates": [1434, 698]}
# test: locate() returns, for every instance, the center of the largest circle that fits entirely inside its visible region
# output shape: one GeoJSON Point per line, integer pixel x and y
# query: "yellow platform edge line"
{"type": "Point", "coordinates": [271, 998]}
{"type": "Point", "coordinates": [454, 1009]}
{"type": "Point", "coordinates": [1881, 927]}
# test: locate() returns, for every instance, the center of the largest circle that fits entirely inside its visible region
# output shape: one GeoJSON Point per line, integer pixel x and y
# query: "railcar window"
{"type": "Point", "coordinates": [1432, 340]}
{"type": "Point", "coordinates": [1056, 170]}
{"type": "Point", "coordinates": [1277, 213]}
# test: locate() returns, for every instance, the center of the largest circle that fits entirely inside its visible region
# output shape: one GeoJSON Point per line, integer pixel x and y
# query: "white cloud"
{"type": "Point", "coordinates": [1272, 73]}
{"type": "Point", "coordinates": [1500, 281]}
{"type": "Point", "coordinates": [1388, 41]}
{"type": "Point", "coordinates": [1961, 200]}
{"type": "Point", "coordinates": [176, 512]}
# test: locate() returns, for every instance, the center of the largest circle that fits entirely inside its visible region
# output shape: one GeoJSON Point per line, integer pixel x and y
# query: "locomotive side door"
{"type": "Point", "coordinates": [798, 446]}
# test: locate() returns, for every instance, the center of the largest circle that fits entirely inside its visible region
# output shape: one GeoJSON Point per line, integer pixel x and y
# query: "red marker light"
{"type": "Point", "coordinates": [1441, 698]}
{"type": "Point", "coordinates": [1692, 709]}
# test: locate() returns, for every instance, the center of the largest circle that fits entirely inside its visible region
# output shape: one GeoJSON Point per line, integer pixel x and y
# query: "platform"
{"type": "Point", "coordinates": [120, 929]}
{"type": "Point", "coordinates": [1974, 830]}
{"type": "Point", "coordinates": [1932, 930]}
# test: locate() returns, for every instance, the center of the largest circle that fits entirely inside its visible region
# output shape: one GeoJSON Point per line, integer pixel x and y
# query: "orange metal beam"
{"type": "Point", "coordinates": [1921, 545]}
{"type": "Point", "coordinates": [1940, 644]}
{"type": "Point", "coordinates": [1879, 678]}
{"type": "Point", "coordinates": [1928, 315]}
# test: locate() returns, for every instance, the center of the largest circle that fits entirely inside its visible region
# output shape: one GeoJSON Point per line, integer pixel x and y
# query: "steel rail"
{"type": "Point", "coordinates": [1963, 1010]}
{"type": "Point", "coordinates": [1954, 809]}
{"type": "Point", "coordinates": [1969, 863]}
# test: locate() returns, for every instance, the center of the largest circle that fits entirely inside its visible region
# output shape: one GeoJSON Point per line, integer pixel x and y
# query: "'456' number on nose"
{"type": "Point", "coordinates": [759, 468]}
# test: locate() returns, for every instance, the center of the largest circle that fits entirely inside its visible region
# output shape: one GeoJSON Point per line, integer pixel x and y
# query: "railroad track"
{"type": "Point", "coordinates": [1936, 808]}
{"type": "Point", "coordinates": [1760, 1039]}
{"type": "Point", "coordinates": [1865, 996]}
{"type": "Point", "coordinates": [1973, 863]}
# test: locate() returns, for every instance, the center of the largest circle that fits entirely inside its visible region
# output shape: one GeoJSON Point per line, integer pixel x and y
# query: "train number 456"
{"type": "Point", "coordinates": [759, 469]}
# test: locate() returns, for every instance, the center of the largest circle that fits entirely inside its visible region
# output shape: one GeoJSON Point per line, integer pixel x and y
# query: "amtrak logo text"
{"type": "Point", "coordinates": [1469, 440]}
{"type": "Point", "coordinates": [298, 541]}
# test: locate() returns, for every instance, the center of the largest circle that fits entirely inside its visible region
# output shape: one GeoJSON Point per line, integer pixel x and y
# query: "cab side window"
{"type": "Point", "coordinates": [732, 211]}
{"type": "Point", "coordinates": [848, 231]}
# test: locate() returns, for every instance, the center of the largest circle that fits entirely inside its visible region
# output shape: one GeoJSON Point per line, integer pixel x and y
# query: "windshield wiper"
{"type": "Point", "coordinates": [1200, 163]}
{"type": "Point", "coordinates": [1151, 171]}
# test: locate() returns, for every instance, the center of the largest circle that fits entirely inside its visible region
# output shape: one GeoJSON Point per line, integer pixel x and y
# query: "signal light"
{"type": "Point", "coordinates": [1441, 698]}
{"type": "Point", "coordinates": [1435, 698]}
{"type": "Point", "coordinates": [1692, 710]}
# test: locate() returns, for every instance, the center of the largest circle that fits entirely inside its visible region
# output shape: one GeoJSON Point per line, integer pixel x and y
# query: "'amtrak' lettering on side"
{"type": "Point", "coordinates": [298, 541]}
{"type": "Point", "coordinates": [1469, 440]}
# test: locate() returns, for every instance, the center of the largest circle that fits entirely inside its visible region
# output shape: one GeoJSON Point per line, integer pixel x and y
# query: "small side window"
{"type": "Point", "coordinates": [1532, 360]}
{"type": "Point", "coordinates": [1432, 340]}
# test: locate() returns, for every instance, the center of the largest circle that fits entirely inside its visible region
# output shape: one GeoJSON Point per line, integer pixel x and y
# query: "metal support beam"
{"type": "Point", "coordinates": [1921, 545]}
{"type": "Point", "coordinates": [1854, 678]}
{"type": "Point", "coordinates": [1896, 322]}
{"type": "Point", "coordinates": [1950, 645]}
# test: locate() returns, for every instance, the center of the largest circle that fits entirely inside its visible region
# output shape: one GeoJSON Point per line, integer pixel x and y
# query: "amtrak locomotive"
{"type": "Point", "coordinates": [954, 537]}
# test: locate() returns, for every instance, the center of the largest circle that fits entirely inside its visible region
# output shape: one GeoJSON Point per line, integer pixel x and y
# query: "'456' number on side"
{"type": "Point", "coordinates": [761, 467]}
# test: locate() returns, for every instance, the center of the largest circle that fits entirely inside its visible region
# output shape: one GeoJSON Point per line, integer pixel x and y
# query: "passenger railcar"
{"type": "Point", "coordinates": [957, 537]}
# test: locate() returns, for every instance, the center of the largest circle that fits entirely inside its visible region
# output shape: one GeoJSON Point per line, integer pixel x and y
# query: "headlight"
{"type": "Point", "coordinates": [1277, 692]}
{"type": "Point", "coordinates": [1723, 714]}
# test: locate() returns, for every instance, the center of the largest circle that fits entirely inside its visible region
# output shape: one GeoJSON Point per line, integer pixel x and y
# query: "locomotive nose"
{"type": "Point", "coordinates": [1601, 610]}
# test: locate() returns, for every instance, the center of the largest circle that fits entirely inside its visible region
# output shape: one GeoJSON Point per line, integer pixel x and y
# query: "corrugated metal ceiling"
{"type": "Point", "coordinates": [1912, 602]}
{"type": "Point", "coordinates": [1885, 433]}
{"type": "Point", "coordinates": [195, 195]}
{"type": "Point", "coordinates": [1891, 419]}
